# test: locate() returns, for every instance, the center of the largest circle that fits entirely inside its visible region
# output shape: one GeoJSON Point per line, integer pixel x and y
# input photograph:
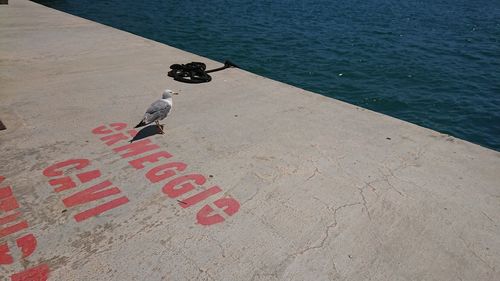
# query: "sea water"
{"type": "Point", "coordinates": [435, 63]}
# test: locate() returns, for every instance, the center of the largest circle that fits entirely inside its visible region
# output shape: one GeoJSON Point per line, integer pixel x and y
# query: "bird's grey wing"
{"type": "Point", "coordinates": [157, 111]}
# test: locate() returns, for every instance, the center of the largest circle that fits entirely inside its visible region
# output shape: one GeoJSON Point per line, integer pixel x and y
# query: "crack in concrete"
{"type": "Point", "coordinates": [361, 189]}
{"type": "Point", "coordinates": [404, 164]}
{"type": "Point", "coordinates": [385, 177]}
{"type": "Point", "coordinates": [327, 230]}
{"type": "Point", "coordinates": [334, 272]}
{"type": "Point", "coordinates": [201, 270]}
{"type": "Point", "coordinates": [386, 180]}
{"type": "Point", "coordinates": [251, 198]}
{"type": "Point", "coordinates": [475, 254]}
{"type": "Point", "coordinates": [271, 178]}
{"type": "Point", "coordinates": [316, 171]}
{"type": "Point", "coordinates": [217, 242]}
{"type": "Point", "coordinates": [268, 225]}
{"type": "Point", "coordinates": [488, 217]}
{"type": "Point", "coordinates": [321, 244]}
{"type": "Point", "coordinates": [257, 274]}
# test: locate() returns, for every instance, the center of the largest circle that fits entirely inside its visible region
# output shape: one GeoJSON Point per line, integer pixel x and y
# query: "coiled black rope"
{"type": "Point", "coordinates": [194, 72]}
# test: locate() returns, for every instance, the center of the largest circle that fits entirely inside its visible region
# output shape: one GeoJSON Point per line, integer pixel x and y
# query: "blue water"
{"type": "Point", "coordinates": [435, 63]}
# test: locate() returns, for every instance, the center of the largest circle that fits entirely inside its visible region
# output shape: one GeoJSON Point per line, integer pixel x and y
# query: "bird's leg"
{"type": "Point", "coordinates": [159, 127]}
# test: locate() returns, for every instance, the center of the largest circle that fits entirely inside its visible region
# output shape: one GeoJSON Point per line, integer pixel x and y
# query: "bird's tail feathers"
{"type": "Point", "coordinates": [142, 123]}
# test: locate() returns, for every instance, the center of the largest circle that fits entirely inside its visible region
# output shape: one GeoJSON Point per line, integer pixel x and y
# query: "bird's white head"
{"type": "Point", "coordinates": [167, 94]}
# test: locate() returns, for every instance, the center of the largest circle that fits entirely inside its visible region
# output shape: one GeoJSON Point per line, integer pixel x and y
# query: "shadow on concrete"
{"type": "Point", "coordinates": [145, 132]}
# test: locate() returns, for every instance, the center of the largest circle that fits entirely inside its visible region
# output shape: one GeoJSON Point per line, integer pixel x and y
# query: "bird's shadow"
{"type": "Point", "coordinates": [146, 132]}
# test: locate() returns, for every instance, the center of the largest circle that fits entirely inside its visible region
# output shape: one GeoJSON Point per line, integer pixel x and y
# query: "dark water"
{"type": "Point", "coordinates": [435, 63]}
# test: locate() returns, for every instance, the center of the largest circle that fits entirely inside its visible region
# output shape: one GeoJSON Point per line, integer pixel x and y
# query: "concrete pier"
{"type": "Point", "coordinates": [253, 180]}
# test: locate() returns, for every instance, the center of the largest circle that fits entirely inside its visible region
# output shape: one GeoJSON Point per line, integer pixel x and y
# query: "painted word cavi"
{"type": "Point", "coordinates": [187, 188]}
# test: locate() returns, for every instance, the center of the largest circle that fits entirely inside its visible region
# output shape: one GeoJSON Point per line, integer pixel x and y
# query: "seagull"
{"type": "Point", "coordinates": [158, 110]}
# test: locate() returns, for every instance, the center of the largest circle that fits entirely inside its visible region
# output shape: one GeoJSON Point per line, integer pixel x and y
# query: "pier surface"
{"type": "Point", "coordinates": [253, 180]}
